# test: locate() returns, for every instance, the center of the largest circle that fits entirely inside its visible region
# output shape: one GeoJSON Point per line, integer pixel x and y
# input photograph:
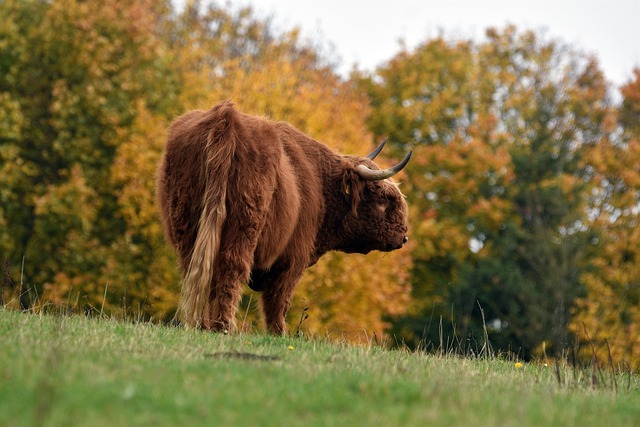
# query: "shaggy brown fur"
{"type": "Point", "coordinates": [244, 199]}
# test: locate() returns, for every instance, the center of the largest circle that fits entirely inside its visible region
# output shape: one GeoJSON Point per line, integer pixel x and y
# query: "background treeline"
{"type": "Point", "coordinates": [524, 187]}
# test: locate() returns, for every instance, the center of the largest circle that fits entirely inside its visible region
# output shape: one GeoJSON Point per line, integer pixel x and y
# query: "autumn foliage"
{"type": "Point", "coordinates": [524, 187]}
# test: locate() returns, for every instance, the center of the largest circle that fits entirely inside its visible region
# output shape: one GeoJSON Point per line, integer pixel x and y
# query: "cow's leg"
{"type": "Point", "coordinates": [242, 229]}
{"type": "Point", "coordinates": [277, 290]}
{"type": "Point", "coordinates": [225, 297]}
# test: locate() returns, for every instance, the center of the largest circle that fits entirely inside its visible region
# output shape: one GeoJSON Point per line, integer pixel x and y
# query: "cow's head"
{"type": "Point", "coordinates": [377, 218]}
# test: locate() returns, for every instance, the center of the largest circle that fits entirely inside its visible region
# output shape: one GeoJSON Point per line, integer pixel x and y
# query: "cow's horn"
{"type": "Point", "coordinates": [374, 174]}
{"type": "Point", "coordinates": [372, 155]}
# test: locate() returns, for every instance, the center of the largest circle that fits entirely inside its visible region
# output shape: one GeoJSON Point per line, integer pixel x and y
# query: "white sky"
{"type": "Point", "coordinates": [367, 32]}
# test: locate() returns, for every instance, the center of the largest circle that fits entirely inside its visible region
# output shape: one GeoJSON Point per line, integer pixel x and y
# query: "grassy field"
{"type": "Point", "coordinates": [66, 371]}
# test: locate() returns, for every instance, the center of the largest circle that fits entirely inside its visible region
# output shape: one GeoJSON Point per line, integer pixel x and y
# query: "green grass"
{"type": "Point", "coordinates": [76, 371]}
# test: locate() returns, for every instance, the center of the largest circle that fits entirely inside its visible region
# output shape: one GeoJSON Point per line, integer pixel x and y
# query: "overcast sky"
{"type": "Point", "coordinates": [366, 32]}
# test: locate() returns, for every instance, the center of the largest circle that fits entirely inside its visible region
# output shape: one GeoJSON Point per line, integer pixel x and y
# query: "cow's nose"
{"type": "Point", "coordinates": [405, 239]}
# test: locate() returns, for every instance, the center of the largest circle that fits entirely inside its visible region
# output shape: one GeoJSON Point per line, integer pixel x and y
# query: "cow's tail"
{"type": "Point", "coordinates": [218, 153]}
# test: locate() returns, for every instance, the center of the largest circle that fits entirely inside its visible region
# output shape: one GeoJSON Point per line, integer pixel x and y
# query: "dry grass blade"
{"type": "Point", "coordinates": [614, 383]}
{"type": "Point", "coordinates": [303, 316]}
{"type": "Point", "coordinates": [594, 358]}
{"type": "Point", "coordinates": [558, 376]}
{"type": "Point", "coordinates": [486, 351]}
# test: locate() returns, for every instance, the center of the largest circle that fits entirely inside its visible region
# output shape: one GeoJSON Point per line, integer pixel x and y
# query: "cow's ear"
{"type": "Point", "coordinates": [352, 188]}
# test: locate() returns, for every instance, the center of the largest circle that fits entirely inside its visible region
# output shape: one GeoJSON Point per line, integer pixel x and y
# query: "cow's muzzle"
{"type": "Point", "coordinates": [393, 247]}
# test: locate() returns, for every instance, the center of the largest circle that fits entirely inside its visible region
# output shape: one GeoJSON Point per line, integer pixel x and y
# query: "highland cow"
{"type": "Point", "coordinates": [247, 200]}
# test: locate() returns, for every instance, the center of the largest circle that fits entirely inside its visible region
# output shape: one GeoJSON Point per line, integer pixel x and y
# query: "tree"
{"type": "Point", "coordinates": [609, 315]}
{"type": "Point", "coordinates": [553, 117]}
{"type": "Point", "coordinates": [75, 70]}
{"type": "Point", "coordinates": [499, 130]}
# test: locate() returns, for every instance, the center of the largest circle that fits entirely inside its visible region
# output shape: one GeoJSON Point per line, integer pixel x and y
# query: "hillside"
{"type": "Point", "coordinates": [78, 371]}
